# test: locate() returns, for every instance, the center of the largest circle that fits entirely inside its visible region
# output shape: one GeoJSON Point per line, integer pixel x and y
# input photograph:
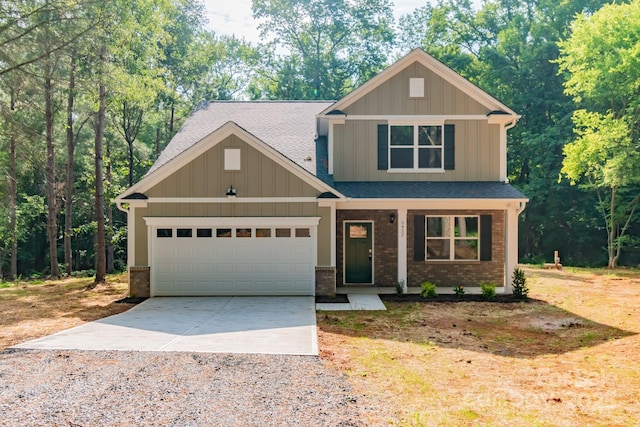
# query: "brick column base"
{"type": "Point", "coordinates": [326, 281]}
{"type": "Point", "coordinates": [139, 282]}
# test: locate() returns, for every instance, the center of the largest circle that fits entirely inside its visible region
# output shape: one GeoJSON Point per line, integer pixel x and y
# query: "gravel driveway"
{"type": "Point", "coordinates": [118, 388]}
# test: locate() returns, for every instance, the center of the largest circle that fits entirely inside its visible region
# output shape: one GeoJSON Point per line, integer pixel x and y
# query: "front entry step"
{"type": "Point", "coordinates": [356, 302]}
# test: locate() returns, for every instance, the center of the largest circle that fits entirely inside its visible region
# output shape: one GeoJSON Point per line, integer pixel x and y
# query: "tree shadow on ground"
{"type": "Point", "coordinates": [523, 330]}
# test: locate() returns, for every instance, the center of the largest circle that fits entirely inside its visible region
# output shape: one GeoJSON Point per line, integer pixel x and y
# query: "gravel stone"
{"type": "Point", "coordinates": [118, 388]}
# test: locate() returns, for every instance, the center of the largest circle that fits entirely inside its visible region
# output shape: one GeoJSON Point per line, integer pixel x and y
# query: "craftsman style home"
{"type": "Point", "coordinates": [404, 180]}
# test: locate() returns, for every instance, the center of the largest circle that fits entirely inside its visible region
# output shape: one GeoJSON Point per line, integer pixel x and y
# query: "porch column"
{"type": "Point", "coordinates": [332, 207]}
{"type": "Point", "coordinates": [131, 233]}
{"type": "Point", "coordinates": [402, 248]}
{"type": "Point", "coordinates": [511, 242]}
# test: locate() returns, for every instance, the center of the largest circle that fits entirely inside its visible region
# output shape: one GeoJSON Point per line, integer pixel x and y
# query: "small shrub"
{"type": "Point", "coordinates": [488, 290]}
{"type": "Point", "coordinates": [519, 284]}
{"type": "Point", "coordinates": [459, 290]}
{"type": "Point", "coordinates": [428, 290]}
{"type": "Point", "coordinates": [400, 287]}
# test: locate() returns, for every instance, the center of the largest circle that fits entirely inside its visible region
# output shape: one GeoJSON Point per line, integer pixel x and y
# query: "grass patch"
{"type": "Point", "coordinates": [567, 357]}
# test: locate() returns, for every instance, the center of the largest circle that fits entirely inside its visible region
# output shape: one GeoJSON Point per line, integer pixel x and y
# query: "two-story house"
{"type": "Point", "coordinates": [404, 180]}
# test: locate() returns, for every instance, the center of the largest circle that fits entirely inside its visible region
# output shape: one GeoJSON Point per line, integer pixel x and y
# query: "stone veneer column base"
{"type": "Point", "coordinates": [326, 281]}
{"type": "Point", "coordinates": [140, 282]}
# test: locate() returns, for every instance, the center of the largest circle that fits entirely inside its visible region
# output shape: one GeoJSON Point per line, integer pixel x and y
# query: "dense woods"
{"type": "Point", "coordinates": [91, 91]}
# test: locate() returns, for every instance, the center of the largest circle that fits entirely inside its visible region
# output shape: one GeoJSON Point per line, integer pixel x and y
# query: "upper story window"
{"type": "Point", "coordinates": [416, 147]}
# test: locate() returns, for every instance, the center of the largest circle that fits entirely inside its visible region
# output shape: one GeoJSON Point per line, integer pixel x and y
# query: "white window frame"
{"type": "Point", "coordinates": [416, 147]}
{"type": "Point", "coordinates": [451, 238]}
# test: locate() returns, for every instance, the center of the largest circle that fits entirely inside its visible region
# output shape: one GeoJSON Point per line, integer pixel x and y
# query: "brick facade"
{"type": "Point", "coordinates": [385, 244]}
{"type": "Point", "coordinates": [326, 281]}
{"type": "Point", "coordinates": [452, 273]}
{"type": "Point", "coordinates": [139, 281]}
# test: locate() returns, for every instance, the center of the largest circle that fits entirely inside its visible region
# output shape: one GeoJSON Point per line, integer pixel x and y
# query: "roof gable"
{"type": "Point", "coordinates": [189, 154]}
{"type": "Point", "coordinates": [420, 56]}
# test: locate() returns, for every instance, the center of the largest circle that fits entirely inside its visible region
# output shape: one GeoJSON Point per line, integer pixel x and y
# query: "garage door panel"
{"type": "Point", "coordinates": [233, 265]}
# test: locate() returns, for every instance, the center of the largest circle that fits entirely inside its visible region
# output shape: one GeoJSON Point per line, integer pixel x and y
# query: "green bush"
{"type": "Point", "coordinates": [459, 290]}
{"type": "Point", "coordinates": [488, 290]}
{"type": "Point", "coordinates": [428, 290]}
{"type": "Point", "coordinates": [519, 284]}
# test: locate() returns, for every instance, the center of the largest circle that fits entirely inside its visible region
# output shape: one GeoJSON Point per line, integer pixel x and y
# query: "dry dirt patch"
{"type": "Point", "coordinates": [570, 356]}
{"type": "Point", "coordinates": [32, 310]}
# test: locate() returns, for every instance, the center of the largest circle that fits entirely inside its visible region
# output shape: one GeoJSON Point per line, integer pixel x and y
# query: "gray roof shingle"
{"type": "Point", "coordinates": [428, 190]}
{"type": "Point", "coordinates": [289, 127]}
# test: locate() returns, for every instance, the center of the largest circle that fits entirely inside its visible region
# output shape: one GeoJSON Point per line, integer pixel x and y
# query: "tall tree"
{"type": "Point", "coordinates": [337, 44]}
{"type": "Point", "coordinates": [602, 62]}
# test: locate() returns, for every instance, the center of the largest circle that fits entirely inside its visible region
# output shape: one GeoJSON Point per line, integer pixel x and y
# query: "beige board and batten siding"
{"type": "Point", "coordinates": [477, 153]}
{"type": "Point", "coordinates": [258, 176]}
{"type": "Point", "coordinates": [392, 97]}
{"type": "Point", "coordinates": [477, 143]}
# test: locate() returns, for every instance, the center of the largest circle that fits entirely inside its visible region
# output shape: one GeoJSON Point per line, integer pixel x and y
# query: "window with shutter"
{"type": "Point", "coordinates": [416, 147]}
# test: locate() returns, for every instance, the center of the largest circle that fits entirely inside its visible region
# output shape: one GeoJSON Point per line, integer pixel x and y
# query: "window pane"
{"type": "Point", "coordinates": [438, 248]}
{"type": "Point", "coordinates": [357, 232]}
{"type": "Point", "coordinates": [466, 249]}
{"type": "Point", "coordinates": [283, 232]}
{"type": "Point", "coordinates": [184, 232]}
{"type": "Point", "coordinates": [263, 232]}
{"type": "Point", "coordinates": [466, 226]}
{"type": "Point", "coordinates": [203, 232]}
{"type": "Point", "coordinates": [223, 232]}
{"type": "Point", "coordinates": [402, 158]}
{"type": "Point", "coordinates": [430, 135]}
{"type": "Point", "coordinates": [243, 232]}
{"type": "Point", "coordinates": [401, 135]}
{"type": "Point", "coordinates": [429, 158]}
{"type": "Point", "coordinates": [164, 232]}
{"type": "Point", "coordinates": [303, 232]}
{"type": "Point", "coordinates": [438, 226]}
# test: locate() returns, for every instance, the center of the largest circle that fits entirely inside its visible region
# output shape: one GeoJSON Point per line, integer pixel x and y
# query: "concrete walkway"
{"type": "Point", "coordinates": [265, 325]}
{"type": "Point", "coordinates": [356, 302]}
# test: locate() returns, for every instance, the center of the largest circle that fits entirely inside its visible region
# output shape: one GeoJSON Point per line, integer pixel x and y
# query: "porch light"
{"type": "Point", "coordinates": [231, 192]}
{"type": "Point", "coordinates": [392, 218]}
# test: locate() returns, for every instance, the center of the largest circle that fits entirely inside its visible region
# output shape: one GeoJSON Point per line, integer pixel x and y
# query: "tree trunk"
{"type": "Point", "coordinates": [68, 223]}
{"type": "Point", "coordinates": [13, 194]}
{"type": "Point", "coordinates": [109, 228]}
{"type": "Point", "coordinates": [99, 205]}
{"type": "Point", "coordinates": [613, 231]}
{"type": "Point", "coordinates": [52, 225]}
{"type": "Point", "coordinates": [157, 142]}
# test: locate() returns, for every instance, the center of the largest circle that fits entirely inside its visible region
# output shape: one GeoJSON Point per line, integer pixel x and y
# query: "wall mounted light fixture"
{"type": "Point", "coordinates": [231, 192]}
{"type": "Point", "coordinates": [392, 218]}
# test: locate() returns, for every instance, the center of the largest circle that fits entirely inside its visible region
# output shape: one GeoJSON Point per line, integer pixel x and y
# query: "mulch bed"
{"type": "Point", "coordinates": [448, 298]}
{"type": "Point", "coordinates": [339, 298]}
{"type": "Point", "coordinates": [131, 300]}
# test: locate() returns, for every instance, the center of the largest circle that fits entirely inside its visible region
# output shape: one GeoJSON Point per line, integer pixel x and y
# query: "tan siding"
{"type": "Point", "coordinates": [205, 177]}
{"type": "Point", "coordinates": [477, 153]}
{"type": "Point", "coordinates": [324, 236]}
{"type": "Point", "coordinates": [392, 97]}
{"type": "Point", "coordinates": [141, 237]}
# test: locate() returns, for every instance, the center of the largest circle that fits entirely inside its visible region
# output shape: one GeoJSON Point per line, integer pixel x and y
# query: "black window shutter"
{"type": "Point", "coordinates": [449, 147]}
{"type": "Point", "coordinates": [383, 147]}
{"type": "Point", "coordinates": [418, 238]}
{"type": "Point", "coordinates": [485, 237]}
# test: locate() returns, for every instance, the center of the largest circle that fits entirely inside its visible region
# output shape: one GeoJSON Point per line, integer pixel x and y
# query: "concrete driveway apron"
{"type": "Point", "coordinates": [266, 325]}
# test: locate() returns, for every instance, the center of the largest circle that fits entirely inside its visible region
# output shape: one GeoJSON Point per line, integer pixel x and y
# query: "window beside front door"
{"type": "Point", "coordinates": [452, 237]}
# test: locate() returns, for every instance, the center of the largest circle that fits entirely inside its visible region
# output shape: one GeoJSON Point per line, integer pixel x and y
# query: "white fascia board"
{"type": "Point", "coordinates": [433, 119]}
{"type": "Point", "coordinates": [429, 62]}
{"type": "Point", "coordinates": [232, 221]}
{"type": "Point", "coordinates": [232, 200]}
{"type": "Point", "coordinates": [431, 204]}
{"type": "Point", "coordinates": [211, 141]}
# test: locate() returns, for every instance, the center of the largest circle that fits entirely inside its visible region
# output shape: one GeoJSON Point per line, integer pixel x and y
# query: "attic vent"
{"type": "Point", "coordinates": [416, 88]}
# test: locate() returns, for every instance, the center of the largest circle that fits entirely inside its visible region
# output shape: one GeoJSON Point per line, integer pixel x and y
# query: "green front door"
{"type": "Point", "coordinates": [358, 252]}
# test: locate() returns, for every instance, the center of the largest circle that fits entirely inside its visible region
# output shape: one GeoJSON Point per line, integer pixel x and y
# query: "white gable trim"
{"type": "Point", "coordinates": [210, 141]}
{"type": "Point", "coordinates": [428, 61]}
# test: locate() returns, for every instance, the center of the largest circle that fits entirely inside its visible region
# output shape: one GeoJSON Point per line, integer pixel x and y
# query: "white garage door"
{"type": "Point", "coordinates": [239, 256]}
